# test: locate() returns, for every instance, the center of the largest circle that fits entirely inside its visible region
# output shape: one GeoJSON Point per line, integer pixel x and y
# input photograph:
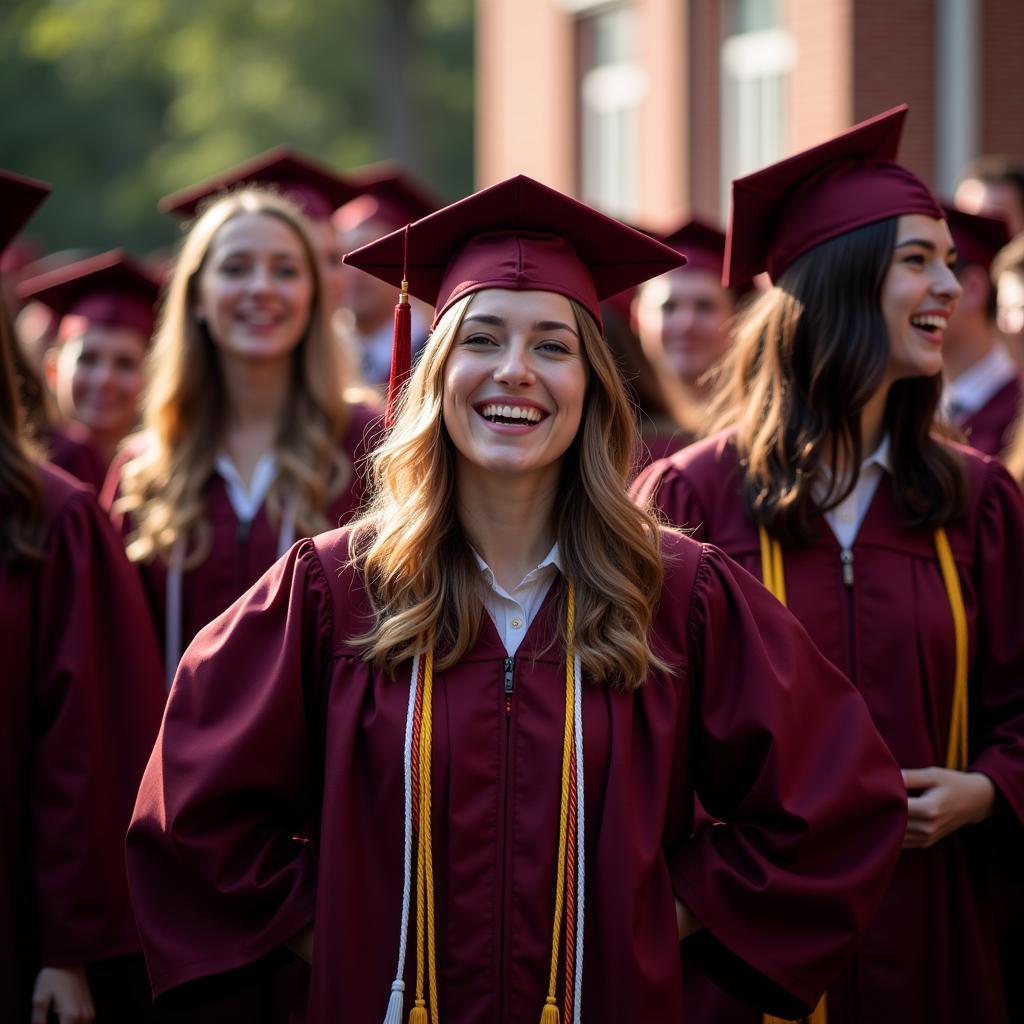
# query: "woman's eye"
{"type": "Point", "coordinates": [915, 259]}
{"type": "Point", "coordinates": [477, 339]}
{"type": "Point", "coordinates": [287, 271]}
{"type": "Point", "coordinates": [556, 347]}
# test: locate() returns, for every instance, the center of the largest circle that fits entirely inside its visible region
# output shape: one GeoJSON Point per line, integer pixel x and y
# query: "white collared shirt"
{"type": "Point", "coordinates": [846, 519]}
{"type": "Point", "coordinates": [512, 612]}
{"type": "Point", "coordinates": [247, 500]}
{"type": "Point", "coordinates": [972, 390]}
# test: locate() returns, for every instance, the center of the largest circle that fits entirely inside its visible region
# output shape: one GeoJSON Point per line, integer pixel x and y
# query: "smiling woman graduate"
{"type": "Point", "coordinates": [449, 753]}
{"type": "Point", "coordinates": [107, 310]}
{"type": "Point", "coordinates": [902, 554]}
{"type": "Point", "coordinates": [249, 438]}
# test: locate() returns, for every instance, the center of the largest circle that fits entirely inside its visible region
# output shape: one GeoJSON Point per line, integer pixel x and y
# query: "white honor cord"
{"type": "Point", "coordinates": [286, 535]}
{"type": "Point", "coordinates": [172, 611]}
{"type": "Point", "coordinates": [172, 595]}
{"type": "Point", "coordinates": [581, 834]}
{"type": "Point", "coordinates": [395, 1000]}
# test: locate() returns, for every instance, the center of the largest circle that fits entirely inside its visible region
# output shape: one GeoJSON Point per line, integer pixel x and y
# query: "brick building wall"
{"type": "Point", "coordinates": [1002, 77]}
{"type": "Point", "coordinates": [854, 58]}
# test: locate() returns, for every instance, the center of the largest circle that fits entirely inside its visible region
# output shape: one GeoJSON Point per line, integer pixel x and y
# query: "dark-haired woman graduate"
{"type": "Point", "coordinates": [80, 704]}
{"type": "Point", "coordinates": [250, 438]}
{"type": "Point", "coordinates": [902, 554]}
{"type": "Point", "coordinates": [449, 752]}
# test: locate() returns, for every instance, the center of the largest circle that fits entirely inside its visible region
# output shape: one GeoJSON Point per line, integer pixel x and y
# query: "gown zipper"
{"type": "Point", "coordinates": [846, 560]}
{"type": "Point", "coordinates": [508, 684]}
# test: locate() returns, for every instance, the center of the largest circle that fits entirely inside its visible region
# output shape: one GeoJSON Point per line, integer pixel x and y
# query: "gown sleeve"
{"type": "Point", "coordinates": [997, 704]}
{"type": "Point", "coordinates": [663, 487]}
{"type": "Point", "coordinates": [810, 805]}
{"type": "Point", "coordinates": [97, 704]}
{"type": "Point", "coordinates": [219, 875]}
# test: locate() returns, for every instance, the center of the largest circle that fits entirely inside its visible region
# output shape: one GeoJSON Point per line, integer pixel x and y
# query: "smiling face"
{"type": "Point", "coordinates": [255, 289]}
{"type": "Point", "coordinates": [515, 380]}
{"type": "Point", "coordinates": [919, 294]}
{"type": "Point", "coordinates": [99, 379]}
{"type": "Point", "coordinates": [683, 319]}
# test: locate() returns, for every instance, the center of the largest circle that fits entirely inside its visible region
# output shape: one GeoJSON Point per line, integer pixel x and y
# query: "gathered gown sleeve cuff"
{"type": "Point", "coordinates": [220, 862]}
{"type": "Point", "coordinates": [996, 718]}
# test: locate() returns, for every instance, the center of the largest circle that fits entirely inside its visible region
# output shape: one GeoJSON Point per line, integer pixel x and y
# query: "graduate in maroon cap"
{"type": "Point", "coordinates": [390, 199]}
{"type": "Point", "coordinates": [683, 320]}
{"type": "Point", "coordinates": [449, 753]}
{"type": "Point", "coordinates": [900, 552]}
{"type": "Point", "coordinates": [107, 311]}
{"type": "Point", "coordinates": [249, 439]}
{"type": "Point", "coordinates": [79, 708]}
{"type": "Point", "coordinates": [316, 189]}
{"type": "Point", "coordinates": [983, 392]}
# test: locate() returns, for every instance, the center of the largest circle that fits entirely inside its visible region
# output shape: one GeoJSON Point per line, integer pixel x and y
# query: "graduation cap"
{"type": "Point", "coordinates": [978, 238]}
{"type": "Point", "coordinates": [389, 195]}
{"type": "Point", "coordinates": [314, 188]}
{"type": "Point", "coordinates": [518, 235]}
{"type": "Point", "coordinates": [703, 244]}
{"type": "Point", "coordinates": [111, 289]}
{"type": "Point", "coordinates": [788, 208]}
{"type": "Point", "coordinates": [19, 199]}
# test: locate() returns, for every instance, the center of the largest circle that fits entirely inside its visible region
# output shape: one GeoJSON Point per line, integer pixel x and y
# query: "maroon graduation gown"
{"type": "Point", "coordinates": [988, 428]}
{"type": "Point", "coordinates": [929, 956]}
{"type": "Point", "coordinates": [276, 728]}
{"type": "Point", "coordinates": [239, 553]}
{"type": "Point", "coordinates": [81, 703]}
{"type": "Point", "coordinates": [72, 450]}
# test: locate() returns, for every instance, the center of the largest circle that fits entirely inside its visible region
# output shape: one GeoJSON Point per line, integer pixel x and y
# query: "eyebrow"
{"type": "Point", "coordinates": [540, 325]}
{"type": "Point", "coordinates": [925, 244]}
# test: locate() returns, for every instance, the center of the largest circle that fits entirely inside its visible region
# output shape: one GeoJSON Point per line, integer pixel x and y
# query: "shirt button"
{"type": "Point", "coordinates": [517, 623]}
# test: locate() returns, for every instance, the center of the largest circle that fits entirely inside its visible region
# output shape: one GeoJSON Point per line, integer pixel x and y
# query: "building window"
{"type": "Point", "coordinates": [611, 85]}
{"type": "Point", "coordinates": [757, 55]}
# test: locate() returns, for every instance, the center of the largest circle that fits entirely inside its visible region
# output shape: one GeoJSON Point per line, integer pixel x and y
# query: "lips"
{"type": "Point", "coordinates": [260, 319]}
{"type": "Point", "coordinates": [932, 324]}
{"type": "Point", "coordinates": [501, 413]}
{"type": "Point", "coordinates": [520, 414]}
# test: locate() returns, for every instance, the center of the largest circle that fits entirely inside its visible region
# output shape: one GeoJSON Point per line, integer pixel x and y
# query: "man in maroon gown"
{"type": "Point", "coordinates": [983, 391]}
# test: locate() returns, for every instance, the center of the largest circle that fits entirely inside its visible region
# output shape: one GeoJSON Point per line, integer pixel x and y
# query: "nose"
{"type": "Point", "coordinates": [514, 369]}
{"type": "Point", "coordinates": [682, 319]}
{"type": "Point", "coordinates": [261, 279]}
{"type": "Point", "coordinates": [947, 285]}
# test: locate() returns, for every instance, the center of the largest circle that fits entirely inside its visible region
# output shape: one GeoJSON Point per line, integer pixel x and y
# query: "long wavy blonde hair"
{"type": "Point", "coordinates": [185, 406]}
{"type": "Point", "coordinates": [418, 564]}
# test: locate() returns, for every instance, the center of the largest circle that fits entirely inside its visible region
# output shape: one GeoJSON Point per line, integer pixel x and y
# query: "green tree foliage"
{"type": "Point", "coordinates": [118, 102]}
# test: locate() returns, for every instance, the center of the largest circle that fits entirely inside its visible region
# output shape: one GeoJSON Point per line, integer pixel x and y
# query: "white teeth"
{"type": "Point", "coordinates": [511, 412]}
{"type": "Point", "coordinates": [929, 322]}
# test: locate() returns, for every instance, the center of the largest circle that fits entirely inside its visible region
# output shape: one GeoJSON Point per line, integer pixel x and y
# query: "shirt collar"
{"type": "Point", "coordinates": [880, 457]}
{"type": "Point", "coordinates": [552, 559]}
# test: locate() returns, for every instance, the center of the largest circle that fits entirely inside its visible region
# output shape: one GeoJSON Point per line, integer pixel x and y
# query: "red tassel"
{"type": "Point", "coordinates": [401, 349]}
{"type": "Point", "coordinates": [401, 354]}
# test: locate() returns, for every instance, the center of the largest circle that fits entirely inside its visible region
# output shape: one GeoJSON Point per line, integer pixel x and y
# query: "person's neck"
{"type": "Point", "coordinates": [872, 422]}
{"type": "Point", "coordinates": [257, 393]}
{"type": "Point", "coordinates": [509, 519]}
{"type": "Point", "coordinates": [973, 346]}
{"type": "Point", "coordinates": [107, 443]}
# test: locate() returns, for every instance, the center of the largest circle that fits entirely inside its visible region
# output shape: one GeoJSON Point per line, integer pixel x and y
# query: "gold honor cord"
{"type": "Point", "coordinates": [956, 753]}
{"type": "Point", "coordinates": [421, 1013]}
{"type": "Point", "coordinates": [550, 1015]}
